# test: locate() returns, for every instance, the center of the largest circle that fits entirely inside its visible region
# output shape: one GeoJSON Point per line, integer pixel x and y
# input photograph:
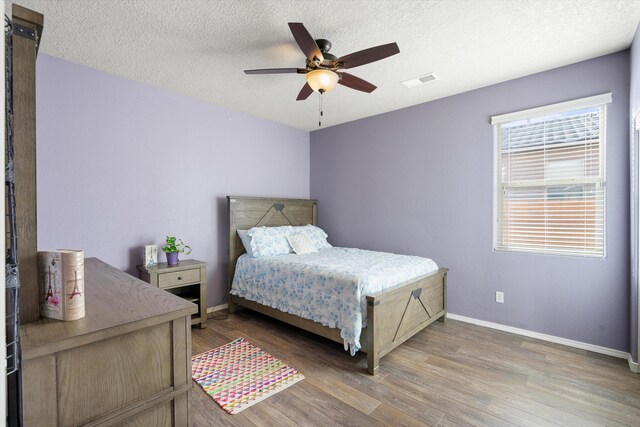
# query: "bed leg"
{"type": "Point", "coordinates": [231, 306]}
{"type": "Point", "coordinates": [443, 319]}
{"type": "Point", "coordinates": [373, 363]}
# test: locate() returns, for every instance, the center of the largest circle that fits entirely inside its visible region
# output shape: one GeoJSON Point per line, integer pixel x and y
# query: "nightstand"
{"type": "Point", "coordinates": [187, 280]}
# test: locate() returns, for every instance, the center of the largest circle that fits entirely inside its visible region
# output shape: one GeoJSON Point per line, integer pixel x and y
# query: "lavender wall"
{"type": "Point", "coordinates": [634, 108]}
{"type": "Point", "coordinates": [121, 164]}
{"type": "Point", "coordinates": [420, 181]}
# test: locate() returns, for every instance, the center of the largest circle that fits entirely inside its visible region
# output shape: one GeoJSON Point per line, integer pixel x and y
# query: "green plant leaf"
{"type": "Point", "coordinates": [173, 244]}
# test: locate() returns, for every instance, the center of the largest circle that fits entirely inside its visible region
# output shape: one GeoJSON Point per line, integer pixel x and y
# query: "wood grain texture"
{"type": "Point", "coordinates": [24, 128]}
{"type": "Point", "coordinates": [40, 406]}
{"type": "Point", "coordinates": [182, 377]}
{"type": "Point", "coordinates": [393, 315]}
{"type": "Point", "coordinates": [145, 355]}
{"type": "Point", "coordinates": [188, 280]}
{"type": "Point", "coordinates": [28, 15]}
{"type": "Point", "coordinates": [449, 374]}
{"type": "Point", "coordinates": [159, 416]}
{"type": "Point", "coordinates": [127, 361]}
{"type": "Point", "coordinates": [398, 313]}
{"type": "Point", "coordinates": [191, 275]}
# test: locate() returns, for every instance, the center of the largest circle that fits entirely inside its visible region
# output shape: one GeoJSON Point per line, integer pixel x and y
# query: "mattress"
{"type": "Point", "coordinates": [329, 286]}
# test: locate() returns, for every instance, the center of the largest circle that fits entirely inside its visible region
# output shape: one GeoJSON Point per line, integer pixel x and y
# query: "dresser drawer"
{"type": "Point", "coordinates": [167, 280]}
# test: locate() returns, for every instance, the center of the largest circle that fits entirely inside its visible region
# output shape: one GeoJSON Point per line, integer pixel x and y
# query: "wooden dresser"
{"type": "Point", "coordinates": [127, 362]}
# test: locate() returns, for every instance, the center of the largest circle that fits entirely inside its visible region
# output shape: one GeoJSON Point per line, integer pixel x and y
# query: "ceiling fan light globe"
{"type": "Point", "coordinates": [324, 80]}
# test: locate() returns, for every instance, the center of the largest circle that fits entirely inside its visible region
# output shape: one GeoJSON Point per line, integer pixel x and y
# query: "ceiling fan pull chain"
{"type": "Point", "coordinates": [320, 111]}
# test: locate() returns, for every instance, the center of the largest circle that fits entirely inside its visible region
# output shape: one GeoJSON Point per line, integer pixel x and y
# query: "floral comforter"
{"type": "Point", "coordinates": [328, 286]}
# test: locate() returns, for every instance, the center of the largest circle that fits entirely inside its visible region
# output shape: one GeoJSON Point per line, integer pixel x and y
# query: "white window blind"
{"type": "Point", "coordinates": [550, 179]}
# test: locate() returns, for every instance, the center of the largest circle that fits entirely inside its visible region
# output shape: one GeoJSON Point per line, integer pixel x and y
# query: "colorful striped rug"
{"type": "Point", "coordinates": [239, 374]}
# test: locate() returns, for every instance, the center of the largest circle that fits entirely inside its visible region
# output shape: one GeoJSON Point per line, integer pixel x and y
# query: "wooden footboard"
{"type": "Point", "coordinates": [397, 314]}
{"type": "Point", "coordinates": [393, 316]}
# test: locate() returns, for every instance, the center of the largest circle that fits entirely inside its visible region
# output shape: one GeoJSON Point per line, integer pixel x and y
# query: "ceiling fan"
{"type": "Point", "coordinates": [322, 67]}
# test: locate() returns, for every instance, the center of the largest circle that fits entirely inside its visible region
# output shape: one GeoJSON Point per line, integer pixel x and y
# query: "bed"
{"type": "Point", "coordinates": [393, 315]}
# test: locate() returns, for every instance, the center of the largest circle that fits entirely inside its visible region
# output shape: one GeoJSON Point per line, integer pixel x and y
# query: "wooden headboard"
{"type": "Point", "coordinates": [247, 212]}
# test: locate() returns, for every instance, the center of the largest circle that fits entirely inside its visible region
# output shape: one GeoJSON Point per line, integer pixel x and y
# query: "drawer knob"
{"type": "Point", "coordinates": [179, 277]}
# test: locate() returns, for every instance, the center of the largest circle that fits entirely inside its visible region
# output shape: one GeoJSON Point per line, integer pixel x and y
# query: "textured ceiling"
{"type": "Point", "coordinates": [200, 48]}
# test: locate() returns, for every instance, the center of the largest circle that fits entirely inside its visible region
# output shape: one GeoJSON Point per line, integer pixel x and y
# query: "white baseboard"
{"type": "Point", "coordinates": [633, 365]}
{"type": "Point", "coordinates": [550, 338]}
{"type": "Point", "coordinates": [216, 308]}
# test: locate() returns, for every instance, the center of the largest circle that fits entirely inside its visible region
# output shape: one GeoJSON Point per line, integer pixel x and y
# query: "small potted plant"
{"type": "Point", "coordinates": [173, 247]}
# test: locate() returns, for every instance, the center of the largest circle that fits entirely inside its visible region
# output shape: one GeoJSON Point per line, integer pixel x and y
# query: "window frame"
{"type": "Point", "coordinates": [499, 245]}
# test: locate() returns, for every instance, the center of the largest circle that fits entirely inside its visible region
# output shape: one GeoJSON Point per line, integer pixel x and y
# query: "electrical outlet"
{"type": "Point", "coordinates": [500, 297]}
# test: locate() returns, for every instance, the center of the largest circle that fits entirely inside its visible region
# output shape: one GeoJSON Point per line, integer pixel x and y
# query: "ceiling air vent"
{"type": "Point", "coordinates": [420, 80]}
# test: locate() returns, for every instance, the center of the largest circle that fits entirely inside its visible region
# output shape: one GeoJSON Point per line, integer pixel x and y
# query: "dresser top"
{"type": "Point", "coordinates": [115, 303]}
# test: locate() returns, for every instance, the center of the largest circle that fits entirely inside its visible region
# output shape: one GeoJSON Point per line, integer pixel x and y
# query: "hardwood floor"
{"type": "Point", "coordinates": [450, 374]}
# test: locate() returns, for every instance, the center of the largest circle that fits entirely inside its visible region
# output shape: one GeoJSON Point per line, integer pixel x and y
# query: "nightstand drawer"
{"type": "Point", "coordinates": [167, 280]}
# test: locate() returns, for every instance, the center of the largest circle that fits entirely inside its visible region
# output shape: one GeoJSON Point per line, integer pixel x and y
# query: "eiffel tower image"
{"type": "Point", "coordinates": [49, 289]}
{"type": "Point", "coordinates": [75, 291]}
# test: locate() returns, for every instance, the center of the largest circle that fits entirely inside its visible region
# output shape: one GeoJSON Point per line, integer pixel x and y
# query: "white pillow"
{"type": "Point", "coordinates": [246, 241]}
{"type": "Point", "coordinates": [317, 236]}
{"type": "Point", "coordinates": [301, 243]}
{"type": "Point", "coordinates": [269, 241]}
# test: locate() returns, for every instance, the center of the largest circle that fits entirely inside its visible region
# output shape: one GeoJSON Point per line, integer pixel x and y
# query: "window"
{"type": "Point", "coordinates": [550, 178]}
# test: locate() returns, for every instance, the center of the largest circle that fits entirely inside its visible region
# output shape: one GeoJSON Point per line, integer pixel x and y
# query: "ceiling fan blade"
{"type": "Point", "coordinates": [366, 56]}
{"type": "Point", "coordinates": [276, 71]}
{"type": "Point", "coordinates": [349, 80]}
{"type": "Point", "coordinates": [304, 92]}
{"type": "Point", "coordinates": [306, 42]}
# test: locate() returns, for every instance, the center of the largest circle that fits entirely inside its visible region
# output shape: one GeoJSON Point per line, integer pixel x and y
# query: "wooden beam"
{"type": "Point", "coordinates": [24, 126]}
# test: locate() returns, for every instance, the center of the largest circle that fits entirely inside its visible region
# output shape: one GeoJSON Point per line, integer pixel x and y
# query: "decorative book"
{"type": "Point", "coordinates": [150, 256]}
{"type": "Point", "coordinates": [61, 280]}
